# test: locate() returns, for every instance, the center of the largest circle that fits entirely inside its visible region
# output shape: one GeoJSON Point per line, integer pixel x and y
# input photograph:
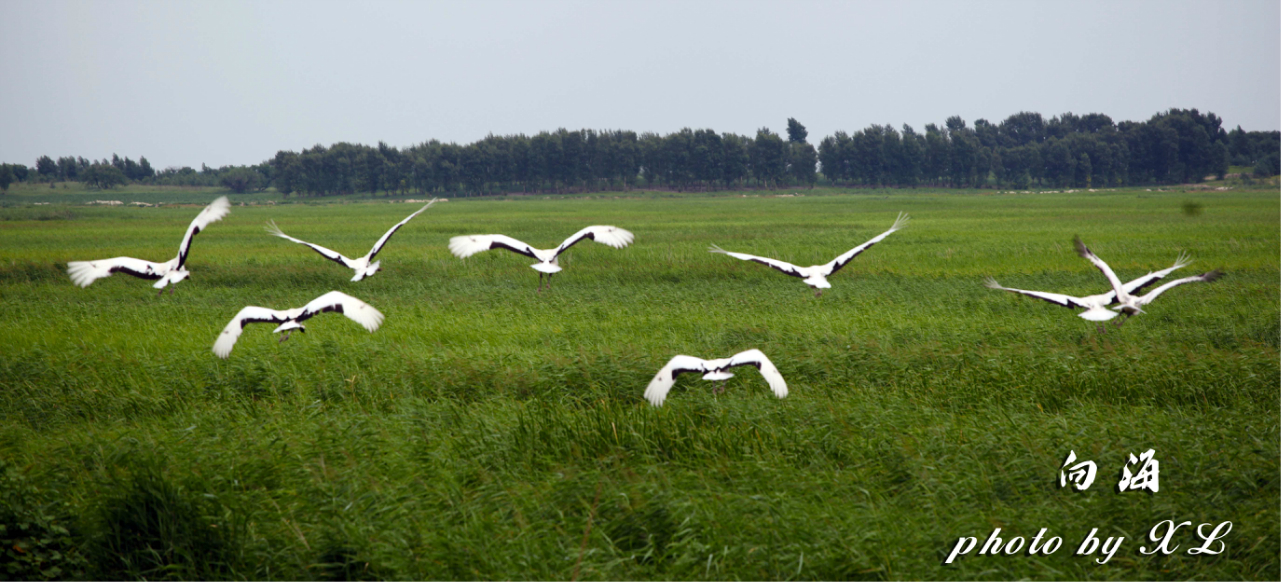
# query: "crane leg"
{"type": "Point", "coordinates": [818, 292]}
{"type": "Point", "coordinates": [160, 292]}
{"type": "Point", "coordinates": [1102, 329]}
{"type": "Point", "coordinates": [171, 289]}
{"type": "Point", "coordinates": [540, 282]}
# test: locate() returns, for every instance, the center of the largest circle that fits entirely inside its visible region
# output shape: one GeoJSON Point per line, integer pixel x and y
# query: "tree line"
{"type": "Point", "coordinates": [559, 161]}
{"type": "Point", "coordinates": [1023, 151]}
{"type": "Point", "coordinates": [1026, 150]}
{"type": "Point", "coordinates": [99, 174]}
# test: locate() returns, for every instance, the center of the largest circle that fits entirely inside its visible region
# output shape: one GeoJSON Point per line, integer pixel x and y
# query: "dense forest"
{"type": "Point", "coordinates": [1023, 151]}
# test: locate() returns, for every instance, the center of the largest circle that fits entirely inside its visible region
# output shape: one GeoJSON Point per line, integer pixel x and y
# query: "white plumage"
{"type": "Point", "coordinates": [84, 273]}
{"type": "Point", "coordinates": [1129, 304]}
{"type": "Point", "coordinates": [466, 246]}
{"type": "Point", "coordinates": [816, 275]}
{"type": "Point", "coordinates": [662, 383]}
{"type": "Point", "coordinates": [291, 319]}
{"type": "Point", "coordinates": [364, 266]}
{"type": "Point", "coordinates": [1096, 305]}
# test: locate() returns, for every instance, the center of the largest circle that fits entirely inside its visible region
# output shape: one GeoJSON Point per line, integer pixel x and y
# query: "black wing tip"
{"type": "Point", "coordinates": [1212, 275]}
{"type": "Point", "coordinates": [1081, 249]}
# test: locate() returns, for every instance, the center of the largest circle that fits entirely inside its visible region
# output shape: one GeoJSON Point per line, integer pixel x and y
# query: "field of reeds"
{"type": "Point", "coordinates": [490, 431]}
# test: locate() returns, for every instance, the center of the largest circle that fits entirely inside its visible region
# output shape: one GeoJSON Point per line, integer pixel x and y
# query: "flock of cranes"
{"type": "Point", "coordinates": [1124, 296]}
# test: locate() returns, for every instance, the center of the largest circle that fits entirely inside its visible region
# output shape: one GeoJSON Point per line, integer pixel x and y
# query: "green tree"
{"type": "Point", "coordinates": [132, 170]}
{"type": "Point", "coordinates": [1269, 165]}
{"type": "Point", "coordinates": [1060, 166]}
{"type": "Point", "coordinates": [892, 153]}
{"type": "Point", "coordinates": [1022, 128]}
{"type": "Point", "coordinates": [472, 167]}
{"type": "Point", "coordinates": [827, 158]}
{"type": "Point", "coordinates": [936, 154]}
{"type": "Point", "coordinates": [288, 172]}
{"type": "Point", "coordinates": [737, 156]}
{"type": "Point", "coordinates": [104, 176]}
{"type": "Point", "coordinates": [46, 167]}
{"type": "Point", "coordinates": [545, 152]}
{"type": "Point", "coordinates": [868, 162]}
{"type": "Point", "coordinates": [964, 156]}
{"type": "Point", "coordinates": [989, 135]}
{"type": "Point", "coordinates": [837, 157]}
{"type": "Point", "coordinates": [795, 131]}
{"type": "Point", "coordinates": [6, 176]}
{"type": "Point", "coordinates": [769, 157]}
{"type": "Point", "coordinates": [1241, 147]}
{"type": "Point", "coordinates": [67, 169]}
{"type": "Point", "coordinates": [1084, 172]}
{"type": "Point", "coordinates": [912, 157]}
{"type": "Point", "coordinates": [241, 180]}
{"type": "Point", "coordinates": [573, 145]}
{"type": "Point", "coordinates": [422, 178]}
{"type": "Point", "coordinates": [1222, 157]}
{"type": "Point", "coordinates": [802, 165]}
{"type": "Point", "coordinates": [1095, 123]}
{"type": "Point", "coordinates": [676, 152]}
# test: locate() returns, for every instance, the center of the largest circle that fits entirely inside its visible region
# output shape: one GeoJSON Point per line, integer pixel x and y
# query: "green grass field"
{"type": "Point", "coordinates": [489, 431]}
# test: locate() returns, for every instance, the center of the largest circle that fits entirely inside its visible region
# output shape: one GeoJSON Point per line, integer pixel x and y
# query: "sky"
{"type": "Point", "coordinates": [231, 83]}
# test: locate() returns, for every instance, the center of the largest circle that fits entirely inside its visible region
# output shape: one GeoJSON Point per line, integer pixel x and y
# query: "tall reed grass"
{"type": "Point", "coordinates": [489, 431]}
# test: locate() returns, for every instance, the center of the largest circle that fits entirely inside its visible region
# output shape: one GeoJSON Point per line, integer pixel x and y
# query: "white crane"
{"type": "Point", "coordinates": [1096, 305]}
{"type": "Point", "coordinates": [85, 272]}
{"type": "Point", "coordinates": [466, 246]}
{"type": "Point", "coordinates": [362, 266]}
{"type": "Point", "coordinates": [714, 370]}
{"type": "Point", "coordinates": [291, 319]}
{"type": "Point", "coordinates": [1132, 305]}
{"type": "Point", "coordinates": [816, 275]}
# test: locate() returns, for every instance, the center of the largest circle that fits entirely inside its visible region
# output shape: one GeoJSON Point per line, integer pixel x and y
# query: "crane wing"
{"type": "Point", "coordinates": [762, 363]}
{"type": "Point", "coordinates": [337, 301]}
{"type": "Point", "coordinates": [334, 256]}
{"type": "Point", "coordinates": [378, 246]}
{"type": "Point", "coordinates": [85, 272]}
{"type": "Point", "coordinates": [212, 213]}
{"type": "Point", "coordinates": [1137, 285]}
{"type": "Point", "coordinates": [606, 235]}
{"type": "Point", "coordinates": [1055, 298]}
{"type": "Point", "coordinates": [785, 267]}
{"type": "Point", "coordinates": [1084, 251]}
{"type": "Point", "coordinates": [466, 246]}
{"type": "Point", "coordinates": [1202, 278]}
{"type": "Point", "coordinates": [658, 388]}
{"type": "Point", "coordinates": [227, 339]}
{"type": "Point", "coordinates": [849, 255]}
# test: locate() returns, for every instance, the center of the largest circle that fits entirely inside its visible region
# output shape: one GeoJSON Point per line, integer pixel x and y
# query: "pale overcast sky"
{"type": "Point", "coordinates": [186, 83]}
